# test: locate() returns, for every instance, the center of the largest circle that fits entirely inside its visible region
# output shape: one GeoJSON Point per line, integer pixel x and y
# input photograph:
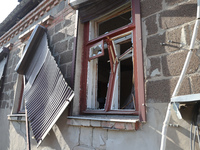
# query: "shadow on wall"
{"type": "Point", "coordinates": [61, 136]}
{"type": "Point", "coordinates": [20, 135]}
{"type": "Point", "coordinates": [181, 134]}
{"type": "Point", "coordinates": [4, 125]}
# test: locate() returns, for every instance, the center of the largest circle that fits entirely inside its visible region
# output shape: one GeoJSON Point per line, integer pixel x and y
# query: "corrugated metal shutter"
{"type": "Point", "coordinates": [46, 93]}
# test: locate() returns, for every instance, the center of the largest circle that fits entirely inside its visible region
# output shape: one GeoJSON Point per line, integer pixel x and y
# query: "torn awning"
{"type": "Point", "coordinates": [46, 92]}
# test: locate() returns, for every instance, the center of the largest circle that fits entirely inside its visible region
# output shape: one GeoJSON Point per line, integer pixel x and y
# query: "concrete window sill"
{"type": "Point", "coordinates": [106, 122]}
{"type": "Point", "coordinates": [17, 117]}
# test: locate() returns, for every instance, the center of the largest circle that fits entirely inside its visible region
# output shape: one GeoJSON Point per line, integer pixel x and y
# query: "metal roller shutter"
{"type": "Point", "coordinates": [46, 92]}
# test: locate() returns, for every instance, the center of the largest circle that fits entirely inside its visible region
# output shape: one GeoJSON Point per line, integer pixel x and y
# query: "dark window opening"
{"type": "Point", "coordinates": [114, 23]}
{"type": "Point", "coordinates": [126, 79]}
{"type": "Point", "coordinates": [103, 78]}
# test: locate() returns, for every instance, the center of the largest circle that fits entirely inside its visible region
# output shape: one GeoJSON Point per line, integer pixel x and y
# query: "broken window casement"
{"type": "Point", "coordinates": [4, 52]}
{"type": "Point", "coordinates": [112, 81]}
{"type": "Point", "coordinates": [96, 50]}
{"type": "Point", "coordinates": [111, 74]}
{"type": "Point", "coordinates": [46, 92]}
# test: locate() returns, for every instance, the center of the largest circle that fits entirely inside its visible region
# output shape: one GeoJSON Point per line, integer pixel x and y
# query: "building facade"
{"type": "Point", "coordinates": [121, 58]}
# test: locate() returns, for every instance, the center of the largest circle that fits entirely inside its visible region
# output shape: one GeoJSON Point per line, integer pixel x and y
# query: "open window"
{"type": "Point", "coordinates": [112, 83]}
{"type": "Point", "coordinates": [110, 77]}
{"type": "Point", "coordinates": [123, 91]}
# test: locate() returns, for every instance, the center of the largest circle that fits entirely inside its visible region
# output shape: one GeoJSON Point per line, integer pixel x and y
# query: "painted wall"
{"type": "Point", "coordinates": [162, 21]}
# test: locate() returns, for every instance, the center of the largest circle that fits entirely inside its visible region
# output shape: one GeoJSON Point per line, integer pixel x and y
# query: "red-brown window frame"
{"type": "Point", "coordinates": [98, 55]}
{"type": "Point", "coordinates": [135, 27]}
{"type": "Point", "coordinates": [20, 110]}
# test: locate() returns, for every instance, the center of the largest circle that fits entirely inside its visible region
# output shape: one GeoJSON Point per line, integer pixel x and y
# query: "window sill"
{"type": "Point", "coordinates": [17, 117]}
{"type": "Point", "coordinates": [106, 122]}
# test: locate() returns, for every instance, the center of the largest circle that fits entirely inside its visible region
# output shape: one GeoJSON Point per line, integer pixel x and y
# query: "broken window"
{"type": "Point", "coordinates": [112, 80]}
{"type": "Point", "coordinates": [121, 20]}
{"type": "Point", "coordinates": [96, 50]}
{"type": "Point", "coordinates": [123, 94]}
{"type": "Point", "coordinates": [110, 76]}
{"type": "Point", "coordinates": [111, 21]}
{"type": "Point", "coordinates": [109, 64]}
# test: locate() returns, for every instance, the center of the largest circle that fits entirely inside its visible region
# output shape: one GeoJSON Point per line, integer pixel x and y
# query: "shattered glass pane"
{"type": "Point", "coordinates": [96, 50]}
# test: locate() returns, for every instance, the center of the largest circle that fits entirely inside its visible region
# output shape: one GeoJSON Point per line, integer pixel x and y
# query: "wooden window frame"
{"type": "Point", "coordinates": [21, 99]}
{"type": "Point", "coordinates": [135, 27]}
{"type": "Point", "coordinates": [98, 55]}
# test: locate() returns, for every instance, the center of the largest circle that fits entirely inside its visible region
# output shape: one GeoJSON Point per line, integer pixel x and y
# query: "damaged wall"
{"type": "Point", "coordinates": [60, 32]}
{"type": "Point", "coordinates": [166, 28]}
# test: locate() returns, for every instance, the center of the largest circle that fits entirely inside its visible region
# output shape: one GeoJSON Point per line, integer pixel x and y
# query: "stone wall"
{"type": "Point", "coordinates": [167, 27]}
{"type": "Point", "coordinates": [60, 31]}
{"type": "Point", "coordinates": [167, 30]}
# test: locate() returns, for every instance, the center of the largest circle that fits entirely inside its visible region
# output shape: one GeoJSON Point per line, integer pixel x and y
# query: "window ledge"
{"type": "Point", "coordinates": [106, 122]}
{"type": "Point", "coordinates": [17, 117]}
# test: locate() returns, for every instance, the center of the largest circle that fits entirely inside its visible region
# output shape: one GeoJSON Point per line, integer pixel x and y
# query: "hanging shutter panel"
{"type": "Point", "coordinates": [3, 61]}
{"type": "Point", "coordinates": [92, 9]}
{"type": "Point", "coordinates": [46, 93]}
{"type": "Point", "coordinates": [2, 66]}
{"type": "Point", "coordinates": [30, 49]}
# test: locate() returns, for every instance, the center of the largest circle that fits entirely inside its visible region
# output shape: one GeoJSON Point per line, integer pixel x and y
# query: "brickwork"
{"type": "Point", "coordinates": [61, 40]}
{"type": "Point", "coordinates": [172, 64]}
{"type": "Point", "coordinates": [61, 36]}
{"type": "Point", "coordinates": [177, 15]}
{"type": "Point", "coordinates": [155, 69]}
{"type": "Point", "coordinates": [150, 7]}
{"type": "Point", "coordinates": [94, 134]}
{"type": "Point", "coordinates": [195, 83]}
{"type": "Point", "coordinates": [111, 125]}
{"type": "Point", "coordinates": [7, 95]}
{"type": "Point", "coordinates": [60, 31]}
{"type": "Point", "coordinates": [167, 31]}
{"type": "Point", "coordinates": [31, 18]}
{"type": "Point", "coordinates": [152, 26]}
{"type": "Point", "coordinates": [161, 90]}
